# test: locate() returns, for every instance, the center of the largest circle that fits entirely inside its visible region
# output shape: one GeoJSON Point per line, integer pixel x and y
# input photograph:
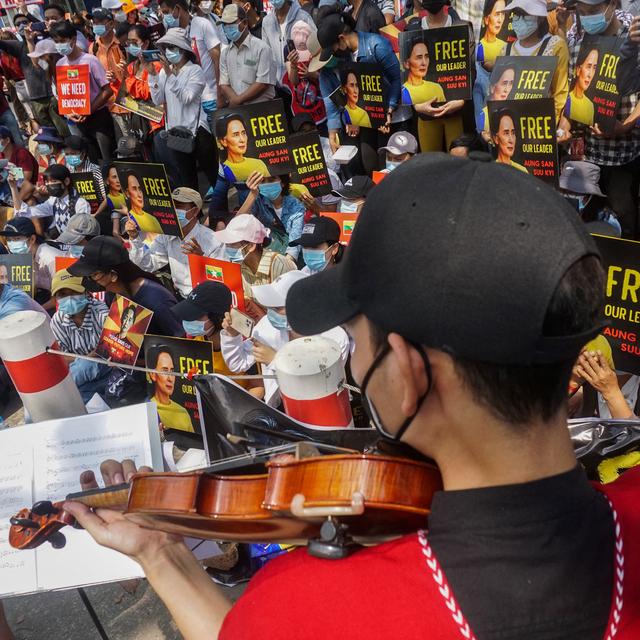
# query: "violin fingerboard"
{"type": "Point", "coordinates": [114, 496]}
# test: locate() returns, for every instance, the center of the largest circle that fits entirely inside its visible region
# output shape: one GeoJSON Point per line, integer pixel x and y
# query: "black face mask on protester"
{"type": "Point", "coordinates": [433, 6]}
{"type": "Point", "coordinates": [371, 410]}
{"type": "Point", "coordinates": [342, 53]}
{"type": "Point", "coordinates": [55, 189]}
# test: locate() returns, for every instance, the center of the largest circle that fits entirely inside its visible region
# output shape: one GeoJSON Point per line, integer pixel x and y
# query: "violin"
{"type": "Point", "coordinates": [336, 500]}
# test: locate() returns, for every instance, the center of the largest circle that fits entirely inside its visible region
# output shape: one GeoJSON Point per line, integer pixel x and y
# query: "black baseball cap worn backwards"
{"type": "Point", "coordinates": [99, 254]}
{"type": "Point", "coordinates": [468, 266]}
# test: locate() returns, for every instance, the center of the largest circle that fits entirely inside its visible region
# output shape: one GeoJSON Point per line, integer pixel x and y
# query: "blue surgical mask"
{"type": "Point", "coordinates": [595, 24]}
{"type": "Point", "coordinates": [232, 32]}
{"type": "Point", "coordinates": [134, 50]}
{"type": "Point", "coordinates": [234, 255]}
{"type": "Point", "coordinates": [99, 29]}
{"type": "Point", "coordinates": [277, 320]}
{"type": "Point", "coordinates": [64, 48]}
{"type": "Point", "coordinates": [2, 146]}
{"type": "Point", "coordinates": [75, 250]}
{"type": "Point", "coordinates": [173, 56]}
{"type": "Point", "coordinates": [70, 305]}
{"type": "Point", "coordinates": [44, 149]}
{"type": "Point", "coordinates": [524, 26]}
{"type": "Point", "coordinates": [270, 190]}
{"type": "Point", "coordinates": [194, 327]}
{"type": "Point", "coordinates": [18, 246]}
{"type": "Point", "coordinates": [182, 217]}
{"type": "Point", "coordinates": [169, 21]}
{"type": "Point", "coordinates": [332, 64]}
{"type": "Point", "coordinates": [315, 259]}
{"type": "Point", "coordinates": [73, 160]}
{"type": "Point", "coordinates": [391, 165]}
{"type": "Point", "coordinates": [277, 4]}
{"type": "Point", "coordinates": [349, 206]}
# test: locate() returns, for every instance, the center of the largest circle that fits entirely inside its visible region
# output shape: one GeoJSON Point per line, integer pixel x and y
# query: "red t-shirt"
{"type": "Point", "coordinates": [23, 159]}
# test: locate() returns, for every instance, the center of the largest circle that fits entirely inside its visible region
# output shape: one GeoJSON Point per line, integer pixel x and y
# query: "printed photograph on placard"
{"type": "Point", "coordinates": [84, 182]}
{"type": "Point", "coordinates": [523, 134]}
{"type": "Point", "coordinates": [148, 197]}
{"type": "Point", "coordinates": [124, 331]}
{"type": "Point", "coordinates": [593, 93]}
{"type": "Point", "coordinates": [310, 165]}
{"type": "Point", "coordinates": [495, 32]}
{"type": "Point", "coordinates": [175, 396]}
{"type": "Point", "coordinates": [16, 269]}
{"type": "Point", "coordinates": [435, 65]}
{"type": "Point", "coordinates": [253, 137]}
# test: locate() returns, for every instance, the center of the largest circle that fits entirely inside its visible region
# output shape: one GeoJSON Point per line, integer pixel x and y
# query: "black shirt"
{"type": "Point", "coordinates": [531, 561]}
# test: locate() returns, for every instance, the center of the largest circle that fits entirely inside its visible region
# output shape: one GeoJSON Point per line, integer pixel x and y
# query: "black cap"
{"type": "Point", "coordinates": [354, 188]}
{"type": "Point", "coordinates": [318, 230]}
{"type": "Point", "coordinates": [99, 254]}
{"type": "Point", "coordinates": [101, 13]}
{"type": "Point", "coordinates": [207, 297]}
{"type": "Point", "coordinates": [128, 147]}
{"type": "Point", "coordinates": [77, 143]}
{"type": "Point", "coordinates": [329, 30]}
{"type": "Point", "coordinates": [469, 268]}
{"type": "Point", "coordinates": [18, 227]}
{"type": "Point", "coordinates": [297, 122]}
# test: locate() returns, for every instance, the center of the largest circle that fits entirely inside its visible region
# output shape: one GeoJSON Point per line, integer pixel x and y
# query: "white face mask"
{"type": "Point", "coordinates": [349, 206]}
{"type": "Point", "coordinates": [43, 64]}
{"type": "Point", "coordinates": [206, 6]}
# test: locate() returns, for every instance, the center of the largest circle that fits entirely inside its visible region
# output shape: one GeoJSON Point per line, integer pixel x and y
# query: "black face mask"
{"type": "Point", "coordinates": [56, 189]}
{"type": "Point", "coordinates": [433, 6]}
{"type": "Point", "coordinates": [342, 53]}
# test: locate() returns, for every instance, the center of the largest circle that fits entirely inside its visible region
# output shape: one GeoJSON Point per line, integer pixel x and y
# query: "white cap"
{"type": "Point", "coordinates": [532, 7]}
{"type": "Point", "coordinates": [275, 294]}
{"type": "Point", "coordinates": [243, 228]}
{"type": "Point", "coordinates": [43, 47]}
{"type": "Point", "coordinates": [111, 4]}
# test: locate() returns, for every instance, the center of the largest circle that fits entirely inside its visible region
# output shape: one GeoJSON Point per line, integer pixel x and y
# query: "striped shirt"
{"type": "Point", "coordinates": [81, 339]}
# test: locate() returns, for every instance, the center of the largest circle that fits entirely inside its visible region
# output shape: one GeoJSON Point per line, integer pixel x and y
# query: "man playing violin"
{"type": "Point", "coordinates": [467, 320]}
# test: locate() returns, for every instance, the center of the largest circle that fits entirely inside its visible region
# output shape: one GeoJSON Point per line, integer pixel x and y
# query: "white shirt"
{"type": "Point", "coordinates": [629, 391]}
{"type": "Point", "coordinates": [45, 265]}
{"type": "Point", "coordinates": [168, 250]}
{"type": "Point", "coordinates": [238, 353]}
{"type": "Point", "coordinates": [182, 95]}
{"type": "Point", "coordinates": [203, 34]}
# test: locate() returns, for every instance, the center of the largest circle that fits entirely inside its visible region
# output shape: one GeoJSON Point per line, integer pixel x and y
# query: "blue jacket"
{"type": "Point", "coordinates": [372, 48]}
{"type": "Point", "coordinates": [292, 217]}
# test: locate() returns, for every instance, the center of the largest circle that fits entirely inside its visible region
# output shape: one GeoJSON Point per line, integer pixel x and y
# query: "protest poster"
{"type": "Point", "coordinates": [72, 83]}
{"type": "Point", "coordinates": [175, 396]}
{"type": "Point", "coordinates": [123, 331]}
{"type": "Point", "coordinates": [203, 269]}
{"type": "Point", "coordinates": [593, 96]}
{"type": "Point", "coordinates": [148, 195]}
{"type": "Point", "coordinates": [523, 133]}
{"type": "Point", "coordinates": [142, 108]}
{"type": "Point", "coordinates": [253, 137]}
{"type": "Point", "coordinates": [495, 31]}
{"type": "Point", "coordinates": [310, 165]}
{"type": "Point", "coordinates": [435, 64]}
{"type": "Point", "coordinates": [361, 96]}
{"type": "Point", "coordinates": [64, 262]}
{"type": "Point", "coordinates": [346, 221]}
{"type": "Point", "coordinates": [522, 77]}
{"type": "Point", "coordinates": [16, 269]}
{"type": "Point", "coordinates": [84, 182]}
{"type": "Point", "coordinates": [392, 31]}
{"type": "Point", "coordinates": [622, 309]}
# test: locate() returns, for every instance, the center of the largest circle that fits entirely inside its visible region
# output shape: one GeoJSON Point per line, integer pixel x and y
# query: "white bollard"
{"type": "Point", "coordinates": [310, 376]}
{"type": "Point", "coordinates": [42, 379]}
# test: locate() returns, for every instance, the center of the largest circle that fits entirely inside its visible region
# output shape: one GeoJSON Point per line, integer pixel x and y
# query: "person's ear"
{"type": "Point", "coordinates": [412, 372]}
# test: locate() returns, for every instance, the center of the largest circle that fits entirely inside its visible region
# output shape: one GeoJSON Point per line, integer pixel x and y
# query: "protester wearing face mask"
{"type": "Point", "coordinates": [616, 153]}
{"type": "Point", "coordinates": [98, 126]}
{"type": "Point", "coordinates": [19, 156]}
{"type": "Point", "coordinates": [402, 146]}
{"type": "Point", "coordinates": [198, 240]}
{"type": "Point", "coordinates": [81, 228]}
{"type": "Point", "coordinates": [320, 242]}
{"type": "Point", "coordinates": [255, 15]}
{"type": "Point", "coordinates": [76, 159]}
{"type": "Point", "coordinates": [246, 240]}
{"type": "Point", "coordinates": [106, 261]}
{"type": "Point", "coordinates": [179, 86]}
{"type": "Point", "coordinates": [21, 238]}
{"type": "Point", "coordinates": [62, 203]}
{"type": "Point", "coordinates": [269, 200]}
{"type": "Point", "coordinates": [49, 149]}
{"type": "Point", "coordinates": [55, 14]}
{"type": "Point", "coordinates": [77, 326]}
{"type": "Point", "coordinates": [353, 194]}
{"type": "Point", "coordinates": [269, 335]}
{"type": "Point", "coordinates": [529, 22]}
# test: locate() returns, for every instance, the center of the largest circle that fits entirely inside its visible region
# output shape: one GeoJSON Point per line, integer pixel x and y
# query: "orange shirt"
{"type": "Point", "coordinates": [110, 56]}
{"type": "Point", "coordinates": [137, 86]}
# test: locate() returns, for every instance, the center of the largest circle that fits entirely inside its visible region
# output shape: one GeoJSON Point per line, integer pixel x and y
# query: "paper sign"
{"type": "Point", "coordinates": [64, 262]}
{"type": "Point", "coordinates": [174, 396]}
{"type": "Point", "coordinates": [141, 108]}
{"type": "Point", "coordinates": [253, 137]}
{"type": "Point", "coordinates": [203, 269]}
{"type": "Point", "coordinates": [495, 31]}
{"type": "Point", "coordinates": [17, 270]}
{"type": "Point", "coordinates": [310, 165]}
{"type": "Point", "coordinates": [149, 200]}
{"type": "Point", "coordinates": [72, 82]}
{"type": "Point", "coordinates": [392, 31]}
{"type": "Point", "coordinates": [124, 331]}
{"type": "Point", "coordinates": [522, 77]}
{"type": "Point", "coordinates": [85, 184]}
{"type": "Point", "coordinates": [347, 222]}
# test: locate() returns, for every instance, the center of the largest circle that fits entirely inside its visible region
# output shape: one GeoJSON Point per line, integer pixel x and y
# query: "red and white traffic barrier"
{"type": "Point", "coordinates": [42, 379]}
{"type": "Point", "coordinates": [310, 376]}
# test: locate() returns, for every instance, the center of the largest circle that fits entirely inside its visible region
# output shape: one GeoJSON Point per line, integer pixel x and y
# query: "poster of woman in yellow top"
{"type": "Point", "coordinates": [416, 89]}
{"type": "Point", "coordinates": [253, 137]}
{"type": "Point", "coordinates": [361, 96]}
{"type": "Point", "coordinates": [494, 33]}
{"type": "Point", "coordinates": [579, 107]}
{"type": "Point", "coordinates": [353, 113]}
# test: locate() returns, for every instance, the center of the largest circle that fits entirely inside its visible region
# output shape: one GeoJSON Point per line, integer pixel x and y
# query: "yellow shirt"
{"type": "Point", "coordinates": [242, 170]}
{"type": "Point", "coordinates": [517, 166]}
{"type": "Point", "coordinates": [296, 190]}
{"type": "Point", "coordinates": [173, 416]}
{"type": "Point", "coordinates": [419, 93]}
{"type": "Point", "coordinates": [358, 117]}
{"type": "Point", "coordinates": [580, 109]}
{"type": "Point", "coordinates": [147, 222]}
{"type": "Point", "coordinates": [491, 50]}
